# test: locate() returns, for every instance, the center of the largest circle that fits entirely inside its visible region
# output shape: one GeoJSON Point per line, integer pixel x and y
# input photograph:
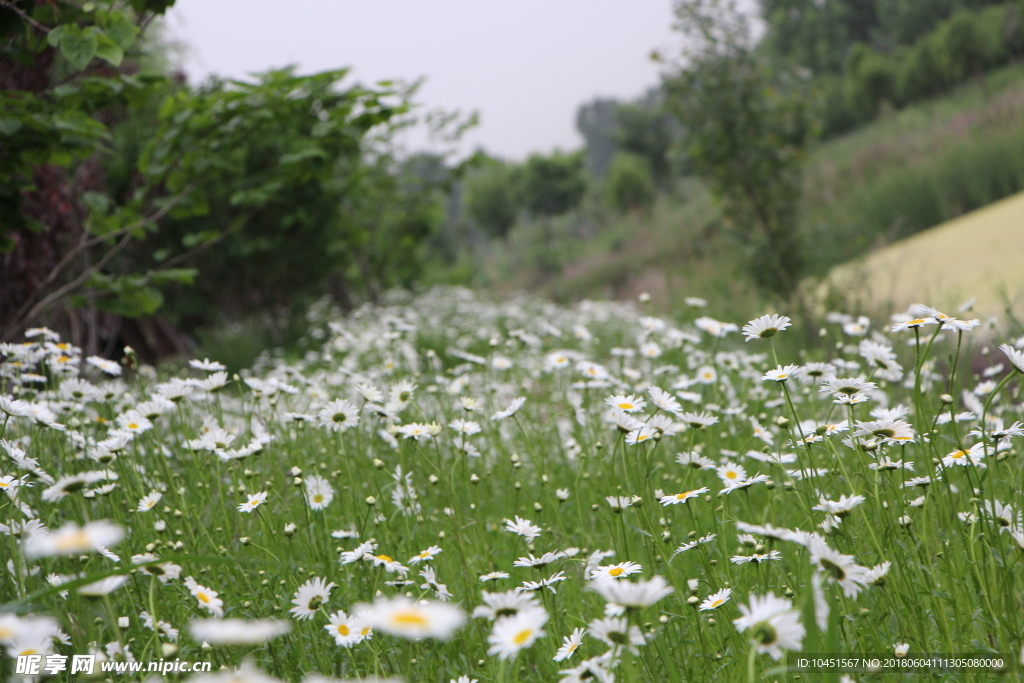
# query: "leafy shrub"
{"type": "Point", "coordinates": [871, 79]}
{"type": "Point", "coordinates": [491, 198]}
{"type": "Point", "coordinates": [629, 185]}
{"type": "Point", "coordinates": [921, 73]}
{"type": "Point", "coordinates": [553, 184]}
{"type": "Point", "coordinates": [963, 46]}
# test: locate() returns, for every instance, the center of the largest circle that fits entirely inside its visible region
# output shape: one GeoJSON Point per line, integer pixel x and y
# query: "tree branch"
{"type": "Point", "coordinates": [21, 316]}
{"type": "Point", "coordinates": [68, 288]}
{"type": "Point", "coordinates": [24, 15]}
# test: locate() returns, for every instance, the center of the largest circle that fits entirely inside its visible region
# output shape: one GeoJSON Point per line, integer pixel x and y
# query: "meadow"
{"type": "Point", "coordinates": [445, 488]}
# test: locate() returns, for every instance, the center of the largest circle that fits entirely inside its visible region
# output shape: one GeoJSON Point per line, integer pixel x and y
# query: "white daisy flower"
{"type": "Point", "coordinates": [253, 502]}
{"type": "Point", "coordinates": [773, 623]}
{"type": "Point", "coordinates": [348, 630]}
{"type": "Point", "coordinates": [715, 600]}
{"type": "Point", "coordinates": [310, 596]}
{"type": "Point", "coordinates": [570, 644]}
{"type": "Point", "coordinates": [237, 631]}
{"type": "Point", "coordinates": [149, 501]}
{"type": "Point", "coordinates": [319, 492]}
{"type": "Point", "coordinates": [512, 634]}
{"type": "Point", "coordinates": [400, 616]}
{"type": "Point", "coordinates": [338, 416]}
{"type": "Point", "coordinates": [208, 599]}
{"type": "Point", "coordinates": [765, 327]}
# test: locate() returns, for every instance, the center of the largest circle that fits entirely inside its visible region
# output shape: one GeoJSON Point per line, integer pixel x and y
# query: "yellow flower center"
{"type": "Point", "coordinates": [203, 598]}
{"type": "Point", "coordinates": [73, 541]}
{"type": "Point", "coordinates": [384, 558]}
{"type": "Point", "coordinates": [409, 619]}
{"type": "Point", "coordinates": [731, 475]}
{"type": "Point", "coordinates": [615, 571]}
{"type": "Point", "coordinates": [625, 406]}
{"type": "Point", "coordinates": [133, 425]}
{"type": "Point", "coordinates": [318, 498]}
{"type": "Point", "coordinates": [523, 636]}
{"type": "Point", "coordinates": [343, 629]}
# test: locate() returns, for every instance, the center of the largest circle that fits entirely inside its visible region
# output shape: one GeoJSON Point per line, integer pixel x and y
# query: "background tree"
{"type": "Point", "coordinates": [596, 122]}
{"type": "Point", "coordinates": [491, 197]}
{"type": "Point", "coordinates": [629, 185]}
{"type": "Point", "coordinates": [553, 184]}
{"type": "Point", "coordinates": [747, 128]}
{"type": "Point", "coordinates": [644, 128]}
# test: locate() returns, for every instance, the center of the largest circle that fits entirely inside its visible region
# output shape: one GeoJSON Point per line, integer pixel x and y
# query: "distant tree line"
{"type": "Point", "coordinates": [865, 54]}
{"type": "Point", "coordinates": [630, 153]}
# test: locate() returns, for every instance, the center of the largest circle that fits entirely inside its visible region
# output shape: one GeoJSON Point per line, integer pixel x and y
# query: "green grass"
{"type": "Point", "coordinates": [953, 586]}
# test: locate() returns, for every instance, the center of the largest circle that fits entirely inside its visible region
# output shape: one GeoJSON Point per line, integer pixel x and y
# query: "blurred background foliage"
{"type": "Point", "coordinates": [136, 207]}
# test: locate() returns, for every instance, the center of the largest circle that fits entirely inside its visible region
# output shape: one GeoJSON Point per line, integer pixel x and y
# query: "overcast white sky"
{"type": "Point", "coordinates": [524, 65]}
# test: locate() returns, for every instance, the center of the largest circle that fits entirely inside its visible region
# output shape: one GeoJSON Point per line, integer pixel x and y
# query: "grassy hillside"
{"type": "Point", "coordinates": [915, 168]}
{"type": "Point", "coordinates": [909, 170]}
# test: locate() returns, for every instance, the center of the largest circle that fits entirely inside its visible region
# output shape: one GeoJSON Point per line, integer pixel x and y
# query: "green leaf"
{"type": "Point", "coordinates": [108, 50]}
{"type": "Point", "coordinates": [122, 31]}
{"type": "Point", "coordinates": [193, 239]}
{"type": "Point", "coordinates": [79, 48]}
{"type": "Point", "coordinates": [303, 155]}
{"type": "Point", "coordinates": [9, 126]}
{"type": "Point", "coordinates": [60, 157]}
{"type": "Point", "coordinates": [66, 90]}
{"type": "Point", "coordinates": [132, 300]}
{"type": "Point", "coordinates": [179, 276]}
{"type": "Point", "coordinates": [96, 201]}
{"type": "Point", "coordinates": [54, 36]}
